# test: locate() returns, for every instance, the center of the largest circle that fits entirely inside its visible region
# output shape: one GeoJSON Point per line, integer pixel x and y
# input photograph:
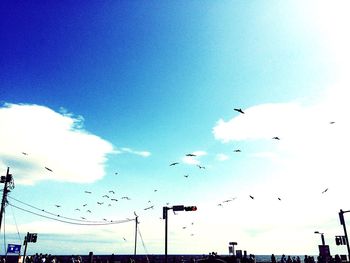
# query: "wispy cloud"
{"type": "Point", "coordinates": [34, 137]}
{"type": "Point", "coordinates": [139, 153]}
{"type": "Point", "coordinates": [194, 160]}
{"type": "Point", "coordinates": [222, 157]}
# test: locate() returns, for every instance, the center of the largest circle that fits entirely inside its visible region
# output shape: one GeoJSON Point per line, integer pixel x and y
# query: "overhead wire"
{"type": "Point", "coordinates": [14, 218]}
{"type": "Point", "coordinates": [68, 218]}
{"type": "Point", "coordinates": [143, 243]}
{"type": "Point", "coordinates": [53, 214]}
{"type": "Point", "coordinates": [74, 223]}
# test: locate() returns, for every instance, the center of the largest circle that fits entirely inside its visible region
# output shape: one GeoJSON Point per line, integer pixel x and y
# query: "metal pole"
{"type": "Point", "coordinates": [322, 238]}
{"type": "Point", "coordinates": [165, 216]}
{"type": "Point", "coordinates": [3, 202]}
{"type": "Point", "coordinates": [25, 247]}
{"type": "Point", "coordinates": [136, 223]}
{"type": "Point", "coordinates": [346, 234]}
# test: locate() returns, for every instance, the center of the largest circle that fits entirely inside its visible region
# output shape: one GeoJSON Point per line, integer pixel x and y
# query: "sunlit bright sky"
{"type": "Point", "coordinates": [98, 99]}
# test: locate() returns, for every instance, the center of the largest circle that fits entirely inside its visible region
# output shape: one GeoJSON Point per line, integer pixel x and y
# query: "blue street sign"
{"type": "Point", "coordinates": [12, 248]}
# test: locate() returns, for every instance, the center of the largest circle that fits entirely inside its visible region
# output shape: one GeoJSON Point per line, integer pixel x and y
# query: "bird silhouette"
{"type": "Point", "coordinates": [57, 205]}
{"type": "Point", "coordinates": [239, 110]}
{"type": "Point", "coordinates": [279, 198]}
{"type": "Point", "coordinates": [186, 175]}
{"type": "Point", "coordinates": [115, 173]}
{"type": "Point", "coordinates": [172, 164]}
{"type": "Point", "coordinates": [87, 192]}
{"type": "Point", "coordinates": [105, 196]}
{"type": "Point", "coordinates": [48, 169]}
{"type": "Point", "coordinates": [237, 151]}
{"type": "Point", "coordinates": [252, 197]}
{"type": "Point", "coordinates": [331, 122]}
{"type": "Point", "coordinates": [275, 138]}
{"type": "Point", "coordinates": [155, 190]}
{"type": "Point", "coordinates": [24, 153]}
{"type": "Point", "coordinates": [200, 167]}
{"type": "Point", "coordinates": [83, 218]}
{"type": "Point", "coordinates": [100, 203]}
{"type": "Point", "coordinates": [111, 191]}
{"type": "Point", "coordinates": [77, 209]}
{"type": "Point", "coordinates": [88, 211]}
{"type": "Point", "coordinates": [325, 190]}
{"type": "Point", "coordinates": [150, 207]}
{"type": "Point", "coordinates": [113, 199]}
{"type": "Point", "coordinates": [84, 205]}
{"type": "Point", "coordinates": [126, 198]}
{"type": "Point", "coordinates": [191, 155]}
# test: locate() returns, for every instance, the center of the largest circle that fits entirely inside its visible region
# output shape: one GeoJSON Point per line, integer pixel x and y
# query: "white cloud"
{"type": "Point", "coordinates": [194, 160]}
{"type": "Point", "coordinates": [36, 137]}
{"type": "Point", "coordinates": [222, 157]}
{"type": "Point", "coordinates": [311, 155]}
{"type": "Point", "coordinates": [139, 153]}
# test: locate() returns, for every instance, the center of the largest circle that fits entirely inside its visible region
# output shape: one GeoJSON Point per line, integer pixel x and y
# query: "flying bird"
{"type": "Point", "coordinates": [113, 199]}
{"type": "Point", "coordinates": [325, 190]}
{"type": "Point", "coordinates": [100, 203]}
{"type": "Point", "coordinates": [126, 198]}
{"type": "Point", "coordinates": [331, 122]}
{"type": "Point", "coordinates": [191, 155]}
{"type": "Point", "coordinates": [84, 205]}
{"type": "Point", "coordinates": [111, 191]}
{"type": "Point", "coordinates": [279, 198]}
{"type": "Point", "coordinates": [239, 110]}
{"type": "Point", "coordinates": [87, 192]}
{"type": "Point", "coordinates": [77, 209]}
{"type": "Point", "coordinates": [172, 164]}
{"type": "Point", "coordinates": [57, 205]}
{"type": "Point", "coordinates": [24, 153]}
{"type": "Point", "coordinates": [252, 197]}
{"type": "Point", "coordinates": [200, 167]}
{"type": "Point", "coordinates": [88, 211]}
{"type": "Point", "coordinates": [237, 151]}
{"type": "Point", "coordinates": [48, 169]}
{"type": "Point", "coordinates": [115, 173]}
{"type": "Point", "coordinates": [83, 218]}
{"type": "Point", "coordinates": [150, 207]}
{"type": "Point", "coordinates": [105, 196]}
{"type": "Point", "coordinates": [155, 190]}
{"type": "Point", "coordinates": [186, 175]}
{"type": "Point", "coordinates": [275, 138]}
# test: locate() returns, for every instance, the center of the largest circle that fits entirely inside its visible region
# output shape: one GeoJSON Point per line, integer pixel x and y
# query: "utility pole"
{"type": "Point", "coordinates": [6, 180]}
{"type": "Point", "coordinates": [342, 222]}
{"type": "Point", "coordinates": [136, 223]}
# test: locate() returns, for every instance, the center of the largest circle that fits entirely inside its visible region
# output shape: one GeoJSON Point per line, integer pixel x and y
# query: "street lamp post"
{"type": "Point", "coordinates": [322, 237]}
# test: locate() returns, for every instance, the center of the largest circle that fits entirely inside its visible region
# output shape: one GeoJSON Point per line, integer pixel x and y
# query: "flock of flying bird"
{"type": "Point", "coordinates": [109, 197]}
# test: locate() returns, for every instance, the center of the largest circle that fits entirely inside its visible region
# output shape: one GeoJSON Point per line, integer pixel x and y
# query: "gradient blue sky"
{"type": "Point", "coordinates": [95, 88]}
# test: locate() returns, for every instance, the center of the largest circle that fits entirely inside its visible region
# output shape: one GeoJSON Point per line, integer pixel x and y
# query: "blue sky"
{"type": "Point", "coordinates": [94, 89]}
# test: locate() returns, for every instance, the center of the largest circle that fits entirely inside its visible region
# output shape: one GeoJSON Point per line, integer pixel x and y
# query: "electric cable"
{"type": "Point", "coordinates": [74, 223]}
{"type": "Point", "coordinates": [14, 218]}
{"type": "Point", "coordinates": [53, 214]}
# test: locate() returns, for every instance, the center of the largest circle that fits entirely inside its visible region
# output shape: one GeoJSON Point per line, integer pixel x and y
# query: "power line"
{"type": "Point", "coordinates": [53, 214]}
{"type": "Point", "coordinates": [74, 223]}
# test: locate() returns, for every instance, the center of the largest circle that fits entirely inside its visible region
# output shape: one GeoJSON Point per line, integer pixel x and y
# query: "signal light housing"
{"type": "Point", "coordinates": [190, 208]}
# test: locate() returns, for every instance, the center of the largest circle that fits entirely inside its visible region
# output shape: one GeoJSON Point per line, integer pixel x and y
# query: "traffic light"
{"type": "Point", "coordinates": [338, 240]}
{"type": "Point", "coordinates": [178, 208]}
{"type": "Point", "coordinates": [190, 208]}
{"type": "Point", "coordinates": [34, 237]}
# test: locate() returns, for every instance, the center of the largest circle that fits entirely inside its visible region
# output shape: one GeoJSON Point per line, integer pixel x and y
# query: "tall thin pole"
{"type": "Point", "coordinates": [136, 223]}
{"type": "Point", "coordinates": [4, 194]}
{"type": "Point", "coordinates": [165, 216]}
{"type": "Point", "coordinates": [342, 221]}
